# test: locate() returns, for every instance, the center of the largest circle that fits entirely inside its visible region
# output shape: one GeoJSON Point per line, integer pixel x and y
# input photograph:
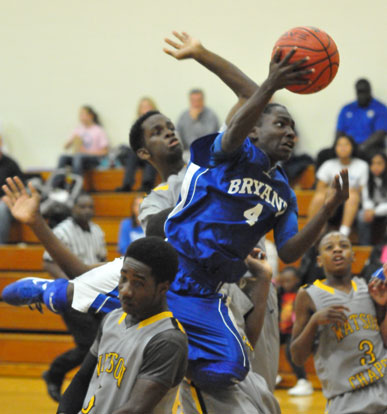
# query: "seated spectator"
{"type": "Point", "coordinates": [131, 162]}
{"type": "Point", "coordinates": [87, 241]}
{"type": "Point", "coordinates": [89, 143]}
{"type": "Point", "coordinates": [372, 218]}
{"type": "Point", "coordinates": [197, 121]}
{"type": "Point", "coordinates": [8, 168]}
{"type": "Point", "coordinates": [130, 228]}
{"type": "Point", "coordinates": [289, 282]}
{"type": "Point", "coordinates": [364, 119]}
{"type": "Point", "coordinates": [345, 151]}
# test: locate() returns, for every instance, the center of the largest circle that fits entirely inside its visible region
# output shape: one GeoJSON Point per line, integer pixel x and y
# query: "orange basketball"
{"type": "Point", "coordinates": [323, 53]}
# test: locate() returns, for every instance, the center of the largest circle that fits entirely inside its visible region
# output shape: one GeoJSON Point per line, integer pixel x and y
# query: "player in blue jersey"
{"type": "Point", "coordinates": [233, 193]}
{"type": "Point", "coordinates": [216, 351]}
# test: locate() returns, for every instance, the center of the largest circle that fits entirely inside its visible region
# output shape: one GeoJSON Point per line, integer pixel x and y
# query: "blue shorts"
{"type": "Point", "coordinates": [216, 352]}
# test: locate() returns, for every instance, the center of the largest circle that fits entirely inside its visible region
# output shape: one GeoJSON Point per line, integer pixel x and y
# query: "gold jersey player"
{"type": "Point", "coordinates": [344, 323]}
{"type": "Point", "coordinates": [140, 354]}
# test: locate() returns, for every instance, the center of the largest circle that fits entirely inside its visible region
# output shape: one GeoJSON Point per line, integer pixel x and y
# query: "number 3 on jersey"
{"type": "Point", "coordinates": [252, 214]}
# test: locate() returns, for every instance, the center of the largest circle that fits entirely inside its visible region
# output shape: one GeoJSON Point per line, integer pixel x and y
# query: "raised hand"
{"type": "Point", "coordinates": [331, 314]}
{"type": "Point", "coordinates": [23, 207]}
{"type": "Point", "coordinates": [377, 289]}
{"type": "Point", "coordinates": [282, 73]}
{"type": "Point", "coordinates": [257, 263]}
{"type": "Point", "coordinates": [187, 47]}
{"type": "Point", "coordinates": [338, 193]}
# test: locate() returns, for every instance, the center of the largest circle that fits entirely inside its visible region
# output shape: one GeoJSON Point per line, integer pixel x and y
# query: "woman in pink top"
{"type": "Point", "coordinates": [89, 142]}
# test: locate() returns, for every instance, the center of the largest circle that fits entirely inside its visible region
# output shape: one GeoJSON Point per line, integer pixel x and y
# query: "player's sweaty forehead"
{"type": "Point", "coordinates": [281, 113]}
{"type": "Point", "coordinates": [334, 237]}
{"type": "Point", "coordinates": [155, 121]}
{"type": "Point", "coordinates": [132, 265]}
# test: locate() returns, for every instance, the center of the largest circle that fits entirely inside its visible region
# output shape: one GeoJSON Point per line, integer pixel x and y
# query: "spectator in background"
{"type": "Point", "coordinates": [88, 141]}
{"type": "Point", "coordinates": [364, 119]}
{"type": "Point", "coordinates": [289, 283]}
{"type": "Point", "coordinates": [197, 121]}
{"type": "Point", "coordinates": [130, 228]}
{"type": "Point", "coordinates": [372, 218]}
{"type": "Point", "coordinates": [131, 162]}
{"type": "Point", "coordinates": [345, 151]}
{"type": "Point", "coordinates": [87, 240]}
{"type": "Point", "coordinates": [8, 168]}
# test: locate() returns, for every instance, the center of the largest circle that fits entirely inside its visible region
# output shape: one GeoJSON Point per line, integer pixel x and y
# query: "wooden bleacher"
{"type": "Point", "coordinates": [30, 340]}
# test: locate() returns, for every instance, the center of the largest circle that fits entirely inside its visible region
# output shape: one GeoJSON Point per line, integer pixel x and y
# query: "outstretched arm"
{"type": "Point", "coordinates": [25, 208]}
{"type": "Point", "coordinates": [187, 47]}
{"type": "Point", "coordinates": [303, 240]}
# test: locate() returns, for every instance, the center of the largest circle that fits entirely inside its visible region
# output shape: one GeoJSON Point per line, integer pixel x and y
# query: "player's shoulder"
{"type": "Point", "coordinates": [112, 318]}
{"type": "Point", "coordinates": [170, 336]}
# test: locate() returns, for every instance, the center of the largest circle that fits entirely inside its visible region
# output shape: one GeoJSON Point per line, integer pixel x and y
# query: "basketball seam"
{"type": "Point", "coordinates": [326, 50]}
{"type": "Point", "coordinates": [318, 77]}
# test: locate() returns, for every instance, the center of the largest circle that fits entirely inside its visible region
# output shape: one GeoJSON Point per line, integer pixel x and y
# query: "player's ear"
{"type": "Point", "coordinates": [253, 134]}
{"type": "Point", "coordinates": [318, 260]}
{"type": "Point", "coordinates": [163, 287]}
{"type": "Point", "coordinates": [143, 154]}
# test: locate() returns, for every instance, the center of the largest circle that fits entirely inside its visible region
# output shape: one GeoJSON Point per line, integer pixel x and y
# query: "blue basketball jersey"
{"type": "Point", "coordinates": [227, 203]}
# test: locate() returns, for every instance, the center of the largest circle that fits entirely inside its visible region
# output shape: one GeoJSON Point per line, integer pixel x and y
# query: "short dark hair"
{"type": "Point", "coordinates": [196, 90]}
{"type": "Point", "coordinates": [293, 270]}
{"type": "Point", "coordinates": [331, 233]}
{"type": "Point", "coordinates": [136, 134]}
{"type": "Point", "coordinates": [158, 254]}
{"type": "Point", "coordinates": [363, 81]}
{"type": "Point", "coordinates": [268, 109]}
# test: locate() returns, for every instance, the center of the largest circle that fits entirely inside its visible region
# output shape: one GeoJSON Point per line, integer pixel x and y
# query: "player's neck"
{"type": "Point", "coordinates": [343, 283]}
{"type": "Point", "coordinates": [155, 310]}
{"type": "Point", "coordinates": [167, 169]}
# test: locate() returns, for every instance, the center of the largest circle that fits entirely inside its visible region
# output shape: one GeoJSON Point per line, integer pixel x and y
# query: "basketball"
{"type": "Point", "coordinates": [323, 53]}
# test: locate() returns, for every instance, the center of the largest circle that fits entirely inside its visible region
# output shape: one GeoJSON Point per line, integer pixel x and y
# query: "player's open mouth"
{"type": "Point", "coordinates": [338, 259]}
{"type": "Point", "coordinates": [173, 142]}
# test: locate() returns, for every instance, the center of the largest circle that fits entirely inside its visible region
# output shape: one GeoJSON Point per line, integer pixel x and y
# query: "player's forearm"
{"type": "Point", "coordinates": [255, 319]}
{"type": "Point", "coordinates": [294, 248]}
{"type": "Point", "coordinates": [72, 400]}
{"type": "Point", "coordinates": [66, 260]}
{"type": "Point", "coordinates": [302, 346]}
{"type": "Point", "coordinates": [233, 77]}
{"type": "Point", "coordinates": [54, 270]}
{"type": "Point", "coordinates": [246, 117]}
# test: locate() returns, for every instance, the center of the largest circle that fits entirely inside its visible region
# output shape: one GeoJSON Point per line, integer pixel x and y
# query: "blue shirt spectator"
{"type": "Point", "coordinates": [365, 119]}
{"type": "Point", "coordinates": [130, 228]}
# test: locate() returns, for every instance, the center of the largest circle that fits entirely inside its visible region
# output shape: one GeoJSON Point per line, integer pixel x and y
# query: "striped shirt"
{"type": "Point", "coordinates": [88, 246]}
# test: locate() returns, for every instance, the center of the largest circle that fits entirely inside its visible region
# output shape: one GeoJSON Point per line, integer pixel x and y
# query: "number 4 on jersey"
{"type": "Point", "coordinates": [252, 214]}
